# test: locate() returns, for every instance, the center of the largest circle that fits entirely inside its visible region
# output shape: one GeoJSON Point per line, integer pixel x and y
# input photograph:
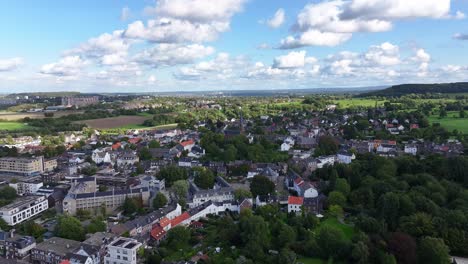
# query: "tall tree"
{"type": "Point", "coordinates": [159, 201]}
{"type": "Point", "coordinates": [433, 251]}
{"type": "Point", "coordinates": [70, 228]}
{"type": "Point", "coordinates": [261, 185]}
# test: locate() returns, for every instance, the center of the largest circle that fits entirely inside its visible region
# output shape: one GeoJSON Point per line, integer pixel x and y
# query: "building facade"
{"type": "Point", "coordinates": [22, 166]}
{"type": "Point", "coordinates": [80, 101]}
{"type": "Point", "coordinates": [111, 200]}
{"type": "Point", "coordinates": [53, 250]}
{"type": "Point", "coordinates": [122, 251]}
{"type": "Point", "coordinates": [23, 209]}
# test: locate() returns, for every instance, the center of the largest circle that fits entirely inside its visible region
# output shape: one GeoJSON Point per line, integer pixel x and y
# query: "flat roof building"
{"type": "Point", "coordinates": [53, 250]}
{"type": "Point", "coordinates": [22, 166]}
{"type": "Point", "coordinates": [123, 251]}
{"type": "Point", "coordinates": [23, 208]}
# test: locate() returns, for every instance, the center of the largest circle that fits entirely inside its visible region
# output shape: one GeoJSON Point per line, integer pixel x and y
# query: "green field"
{"type": "Point", "coordinates": [10, 126]}
{"type": "Point", "coordinates": [451, 122]}
{"type": "Point", "coordinates": [357, 102]}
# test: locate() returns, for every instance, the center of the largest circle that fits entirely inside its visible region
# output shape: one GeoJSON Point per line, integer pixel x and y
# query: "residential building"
{"type": "Point", "coordinates": [295, 204]}
{"type": "Point", "coordinates": [53, 250]}
{"type": "Point", "coordinates": [27, 187]}
{"type": "Point", "coordinates": [122, 251]}
{"type": "Point", "coordinates": [128, 158]}
{"type": "Point", "coordinates": [14, 246]}
{"type": "Point", "coordinates": [22, 166]}
{"type": "Point", "coordinates": [23, 208]}
{"type": "Point", "coordinates": [111, 200]}
{"type": "Point", "coordinates": [345, 157]}
{"type": "Point", "coordinates": [80, 101]}
{"type": "Point", "coordinates": [101, 156]}
{"type": "Point", "coordinates": [411, 149]}
{"type": "Point", "coordinates": [50, 165]}
{"type": "Point", "coordinates": [221, 192]}
{"type": "Point", "coordinates": [323, 161]}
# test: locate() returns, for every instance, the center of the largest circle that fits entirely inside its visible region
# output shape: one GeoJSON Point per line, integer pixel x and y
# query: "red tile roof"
{"type": "Point", "coordinates": [158, 233]}
{"type": "Point", "coordinates": [295, 200]}
{"type": "Point", "coordinates": [116, 146]}
{"type": "Point", "coordinates": [298, 181]}
{"type": "Point", "coordinates": [134, 140]}
{"type": "Point", "coordinates": [197, 224]}
{"type": "Point", "coordinates": [179, 219]}
{"type": "Point", "coordinates": [186, 143]}
{"type": "Point", "coordinates": [164, 222]}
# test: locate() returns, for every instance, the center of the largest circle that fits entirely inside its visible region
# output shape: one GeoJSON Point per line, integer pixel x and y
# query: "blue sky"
{"type": "Point", "coordinates": [117, 45]}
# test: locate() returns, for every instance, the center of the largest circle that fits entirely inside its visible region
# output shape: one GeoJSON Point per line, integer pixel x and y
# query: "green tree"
{"type": "Point", "coordinates": [159, 201]}
{"type": "Point", "coordinates": [178, 237]}
{"type": "Point", "coordinates": [30, 228]}
{"type": "Point", "coordinates": [8, 193]}
{"type": "Point", "coordinates": [332, 241]}
{"type": "Point", "coordinates": [342, 186]}
{"type": "Point", "coordinates": [433, 251]}
{"type": "Point", "coordinates": [360, 253]}
{"type": "Point", "coordinates": [204, 178]}
{"type": "Point", "coordinates": [389, 206]}
{"type": "Point", "coordinates": [98, 224]}
{"type": "Point", "coordinates": [327, 145]}
{"type": "Point", "coordinates": [129, 206]}
{"type": "Point", "coordinates": [172, 174]}
{"type": "Point", "coordinates": [70, 228]}
{"type": "Point", "coordinates": [241, 194]}
{"type": "Point", "coordinates": [180, 189]}
{"type": "Point", "coordinates": [336, 211]}
{"type": "Point", "coordinates": [261, 185]}
{"type": "Point", "coordinates": [442, 112]}
{"type": "Point", "coordinates": [154, 144]}
{"type": "Point", "coordinates": [144, 154]}
{"type": "Point", "coordinates": [462, 113]}
{"type": "Point", "coordinates": [336, 198]}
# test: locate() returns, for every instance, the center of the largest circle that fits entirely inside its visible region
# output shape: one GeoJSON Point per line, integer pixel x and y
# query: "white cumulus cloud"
{"type": "Point", "coordinates": [172, 54]}
{"type": "Point", "coordinates": [277, 20]}
{"type": "Point", "coordinates": [10, 64]}
{"type": "Point", "coordinates": [67, 66]}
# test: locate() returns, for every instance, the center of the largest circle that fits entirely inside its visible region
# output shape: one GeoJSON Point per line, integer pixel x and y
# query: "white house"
{"type": "Point", "coordinates": [322, 161]}
{"type": "Point", "coordinates": [385, 148]}
{"type": "Point", "coordinates": [345, 157]}
{"type": "Point", "coordinates": [285, 147]}
{"type": "Point", "coordinates": [295, 204]}
{"type": "Point", "coordinates": [101, 156]}
{"type": "Point", "coordinates": [411, 149]}
{"type": "Point", "coordinates": [123, 251]}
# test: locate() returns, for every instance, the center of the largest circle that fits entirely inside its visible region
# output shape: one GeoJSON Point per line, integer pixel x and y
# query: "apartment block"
{"type": "Point", "coordinates": [94, 201]}
{"type": "Point", "coordinates": [22, 166]}
{"type": "Point", "coordinates": [122, 251]}
{"type": "Point", "coordinates": [23, 209]}
{"type": "Point", "coordinates": [80, 101]}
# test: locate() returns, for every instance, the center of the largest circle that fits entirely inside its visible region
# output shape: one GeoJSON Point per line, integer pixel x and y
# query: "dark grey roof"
{"type": "Point", "coordinates": [109, 193]}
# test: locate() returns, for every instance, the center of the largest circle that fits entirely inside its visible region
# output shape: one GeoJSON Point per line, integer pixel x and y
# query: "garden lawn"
{"type": "Point", "coordinates": [10, 126]}
{"type": "Point", "coordinates": [347, 230]}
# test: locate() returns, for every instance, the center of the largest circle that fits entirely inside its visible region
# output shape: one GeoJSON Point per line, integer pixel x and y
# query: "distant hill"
{"type": "Point", "coordinates": [44, 94]}
{"type": "Point", "coordinates": [404, 89]}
